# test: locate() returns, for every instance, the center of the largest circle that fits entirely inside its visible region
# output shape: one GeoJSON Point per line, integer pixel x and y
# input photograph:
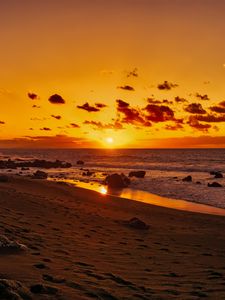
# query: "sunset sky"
{"type": "Point", "coordinates": [121, 73]}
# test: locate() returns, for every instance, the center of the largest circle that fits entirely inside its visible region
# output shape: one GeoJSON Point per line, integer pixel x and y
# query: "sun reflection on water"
{"type": "Point", "coordinates": [103, 190]}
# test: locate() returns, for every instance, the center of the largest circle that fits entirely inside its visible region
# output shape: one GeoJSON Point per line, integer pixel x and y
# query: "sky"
{"type": "Point", "coordinates": [121, 73]}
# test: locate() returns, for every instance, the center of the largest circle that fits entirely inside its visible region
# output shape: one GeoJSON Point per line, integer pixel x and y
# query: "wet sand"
{"type": "Point", "coordinates": [79, 248]}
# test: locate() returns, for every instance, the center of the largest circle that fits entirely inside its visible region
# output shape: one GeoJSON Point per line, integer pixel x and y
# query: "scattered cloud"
{"type": "Point", "coordinates": [166, 85]}
{"type": "Point", "coordinates": [126, 87]}
{"type": "Point", "coordinates": [35, 106]}
{"type": "Point", "coordinates": [100, 126]}
{"type": "Point", "coordinates": [202, 97]}
{"type": "Point", "coordinates": [222, 103]}
{"type": "Point", "coordinates": [88, 107]}
{"type": "Point", "coordinates": [57, 117]}
{"type": "Point", "coordinates": [100, 105]}
{"type": "Point", "coordinates": [2, 122]}
{"type": "Point", "coordinates": [73, 125]}
{"type": "Point", "coordinates": [56, 99]}
{"type": "Point", "coordinates": [210, 118]}
{"type": "Point", "coordinates": [173, 127]}
{"type": "Point", "coordinates": [133, 73]}
{"type": "Point", "coordinates": [180, 99]}
{"type": "Point", "coordinates": [159, 113]}
{"type": "Point", "coordinates": [32, 96]}
{"type": "Point", "coordinates": [218, 109]}
{"type": "Point", "coordinates": [195, 108]}
{"type": "Point", "coordinates": [194, 123]}
{"type": "Point", "coordinates": [131, 115]}
{"type": "Point", "coordinates": [45, 129]}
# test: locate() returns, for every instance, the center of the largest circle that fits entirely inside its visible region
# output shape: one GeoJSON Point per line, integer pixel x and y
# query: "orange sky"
{"type": "Point", "coordinates": [143, 73]}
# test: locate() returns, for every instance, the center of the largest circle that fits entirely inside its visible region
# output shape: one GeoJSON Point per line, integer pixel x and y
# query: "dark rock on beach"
{"type": "Point", "coordinates": [187, 179]}
{"type": "Point", "coordinates": [40, 175]}
{"type": "Point", "coordinates": [138, 174]}
{"type": "Point", "coordinates": [117, 181]}
{"type": "Point", "coordinates": [214, 184]}
{"type": "Point", "coordinates": [43, 289]}
{"type": "Point", "coordinates": [80, 162]}
{"type": "Point", "coordinates": [137, 224]}
{"type": "Point", "coordinates": [88, 173]}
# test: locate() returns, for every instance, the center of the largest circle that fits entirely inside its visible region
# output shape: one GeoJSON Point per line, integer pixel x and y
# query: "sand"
{"type": "Point", "coordinates": [76, 246]}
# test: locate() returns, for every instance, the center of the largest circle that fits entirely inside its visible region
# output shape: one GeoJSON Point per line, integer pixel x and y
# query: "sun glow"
{"type": "Point", "coordinates": [109, 140]}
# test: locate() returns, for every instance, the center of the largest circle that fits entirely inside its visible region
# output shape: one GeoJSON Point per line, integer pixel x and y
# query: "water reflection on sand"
{"type": "Point", "coordinates": [146, 197]}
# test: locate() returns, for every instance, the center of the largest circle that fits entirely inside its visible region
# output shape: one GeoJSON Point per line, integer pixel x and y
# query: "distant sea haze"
{"type": "Point", "coordinates": [164, 168]}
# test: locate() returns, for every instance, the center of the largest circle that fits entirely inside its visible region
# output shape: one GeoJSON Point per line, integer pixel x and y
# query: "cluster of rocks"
{"type": "Point", "coordinates": [136, 223]}
{"type": "Point", "coordinates": [8, 246]}
{"type": "Point", "coordinates": [40, 175]}
{"type": "Point", "coordinates": [216, 174]}
{"type": "Point", "coordinates": [37, 163]}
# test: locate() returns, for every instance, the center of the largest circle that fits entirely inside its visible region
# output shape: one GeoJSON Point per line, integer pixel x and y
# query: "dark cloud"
{"type": "Point", "coordinates": [133, 73]}
{"type": "Point", "coordinates": [202, 97]}
{"type": "Point", "coordinates": [194, 123]}
{"type": "Point", "coordinates": [222, 103]}
{"type": "Point", "coordinates": [195, 108]}
{"type": "Point", "coordinates": [126, 87]}
{"type": "Point", "coordinates": [57, 117]}
{"type": "Point", "coordinates": [155, 101]}
{"type": "Point", "coordinates": [100, 126]}
{"type": "Point", "coordinates": [210, 118]}
{"type": "Point", "coordinates": [45, 129]}
{"type": "Point", "coordinates": [131, 115]}
{"type": "Point", "coordinates": [100, 105]}
{"type": "Point", "coordinates": [218, 109]}
{"type": "Point", "coordinates": [73, 125]}
{"type": "Point", "coordinates": [167, 85]}
{"type": "Point", "coordinates": [2, 122]}
{"type": "Point", "coordinates": [36, 106]}
{"type": "Point", "coordinates": [180, 99]}
{"type": "Point", "coordinates": [88, 107]}
{"type": "Point", "coordinates": [57, 141]}
{"type": "Point", "coordinates": [56, 99]}
{"type": "Point", "coordinates": [32, 96]}
{"type": "Point", "coordinates": [159, 113]}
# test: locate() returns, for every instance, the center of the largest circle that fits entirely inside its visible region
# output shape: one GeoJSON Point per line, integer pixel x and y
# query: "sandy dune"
{"type": "Point", "coordinates": [79, 248]}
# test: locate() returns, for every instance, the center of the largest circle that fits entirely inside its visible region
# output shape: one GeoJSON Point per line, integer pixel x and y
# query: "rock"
{"type": "Point", "coordinates": [214, 184]}
{"type": "Point", "coordinates": [198, 182]}
{"type": "Point", "coordinates": [4, 178]}
{"type": "Point", "coordinates": [13, 290]}
{"type": "Point", "coordinates": [43, 289]}
{"type": "Point", "coordinates": [218, 175]}
{"type": "Point", "coordinates": [116, 181]}
{"type": "Point", "coordinates": [7, 246]}
{"type": "Point", "coordinates": [37, 163]}
{"type": "Point", "coordinates": [40, 175]}
{"type": "Point", "coordinates": [25, 169]}
{"type": "Point", "coordinates": [138, 174]}
{"type": "Point", "coordinates": [88, 173]}
{"type": "Point", "coordinates": [80, 162]}
{"type": "Point", "coordinates": [188, 178]}
{"type": "Point", "coordinates": [137, 224]}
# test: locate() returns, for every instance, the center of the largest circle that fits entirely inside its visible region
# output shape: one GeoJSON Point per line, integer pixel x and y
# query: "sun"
{"type": "Point", "coordinates": [109, 140]}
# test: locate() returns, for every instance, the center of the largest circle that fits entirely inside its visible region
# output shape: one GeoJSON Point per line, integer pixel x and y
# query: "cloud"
{"type": "Point", "coordinates": [167, 85]}
{"type": "Point", "coordinates": [222, 103]}
{"type": "Point", "coordinates": [45, 128]}
{"type": "Point", "coordinates": [180, 99]}
{"type": "Point", "coordinates": [126, 87]}
{"type": "Point", "coordinates": [88, 107]}
{"type": "Point", "coordinates": [57, 141]}
{"type": "Point", "coordinates": [35, 106]}
{"type": "Point", "coordinates": [210, 118]}
{"type": "Point", "coordinates": [194, 123]}
{"type": "Point", "coordinates": [73, 125]}
{"type": "Point", "coordinates": [100, 126]}
{"type": "Point", "coordinates": [174, 127]}
{"type": "Point", "coordinates": [159, 113]}
{"type": "Point", "coordinates": [131, 115]}
{"type": "Point", "coordinates": [133, 73]}
{"type": "Point", "coordinates": [2, 122]}
{"type": "Point", "coordinates": [56, 99]}
{"type": "Point", "coordinates": [32, 96]}
{"type": "Point", "coordinates": [100, 105]}
{"type": "Point", "coordinates": [202, 97]}
{"type": "Point", "coordinates": [195, 108]}
{"type": "Point", "coordinates": [56, 117]}
{"type": "Point", "coordinates": [218, 109]}
{"type": "Point", "coordinates": [155, 101]}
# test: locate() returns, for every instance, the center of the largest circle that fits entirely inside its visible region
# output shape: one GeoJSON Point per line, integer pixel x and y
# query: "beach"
{"type": "Point", "coordinates": [78, 245]}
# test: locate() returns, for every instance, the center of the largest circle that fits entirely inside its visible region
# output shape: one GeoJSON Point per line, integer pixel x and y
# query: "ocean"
{"type": "Point", "coordinates": [165, 169]}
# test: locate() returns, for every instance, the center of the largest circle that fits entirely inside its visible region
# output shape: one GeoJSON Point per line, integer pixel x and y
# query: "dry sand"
{"type": "Point", "coordinates": [78, 248]}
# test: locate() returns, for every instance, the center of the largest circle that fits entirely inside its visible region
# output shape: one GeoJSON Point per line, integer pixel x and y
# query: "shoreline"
{"type": "Point", "coordinates": [147, 197]}
{"type": "Point", "coordinates": [78, 246]}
